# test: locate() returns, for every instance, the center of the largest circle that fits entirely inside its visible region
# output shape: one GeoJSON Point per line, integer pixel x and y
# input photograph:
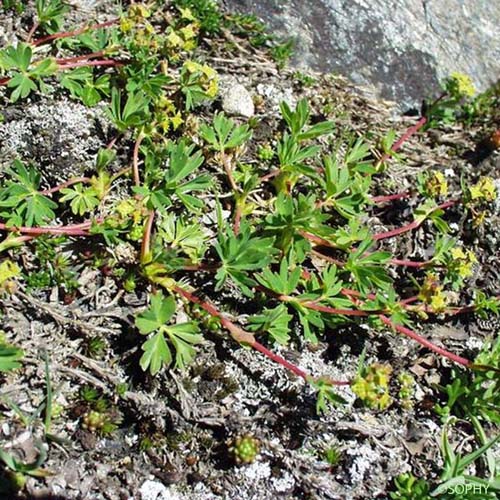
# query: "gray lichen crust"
{"type": "Point", "coordinates": [60, 137]}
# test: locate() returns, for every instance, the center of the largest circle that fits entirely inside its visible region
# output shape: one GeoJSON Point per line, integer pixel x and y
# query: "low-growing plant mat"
{"type": "Point", "coordinates": [224, 278]}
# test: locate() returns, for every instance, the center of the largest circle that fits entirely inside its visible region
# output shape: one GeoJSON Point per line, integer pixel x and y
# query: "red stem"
{"type": "Point", "coordinates": [146, 238]}
{"type": "Point", "coordinates": [426, 343]}
{"type": "Point", "coordinates": [32, 31]}
{"type": "Point", "coordinates": [70, 182]}
{"type": "Point", "coordinates": [65, 60]}
{"type": "Point", "coordinates": [101, 62]}
{"type": "Point", "coordinates": [243, 336]}
{"type": "Point", "coordinates": [409, 263]}
{"type": "Point", "coordinates": [237, 219]}
{"type": "Point", "coordinates": [412, 225]}
{"type": "Point", "coordinates": [390, 197]}
{"type": "Point", "coordinates": [71, 230]}
{"type": "Point", "coordinates": [67, 34]}
{"type": "Point", "coordinates": [409, 132]}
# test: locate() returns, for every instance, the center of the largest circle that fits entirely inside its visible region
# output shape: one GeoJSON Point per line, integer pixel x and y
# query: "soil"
{"type": "Point", "coordinates": [174, 431]}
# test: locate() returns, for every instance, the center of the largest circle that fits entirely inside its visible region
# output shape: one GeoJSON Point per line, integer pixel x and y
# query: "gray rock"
{"type": "Point", "coordinates": [404, 48]}
{"type": "Point", "coordinates": [237, 101]}
{"type": "Point", "coordinates": [60, 137]}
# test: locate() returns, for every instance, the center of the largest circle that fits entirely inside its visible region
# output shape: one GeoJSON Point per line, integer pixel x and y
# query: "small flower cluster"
{"type": "Point", "coordinates": [372, 386]}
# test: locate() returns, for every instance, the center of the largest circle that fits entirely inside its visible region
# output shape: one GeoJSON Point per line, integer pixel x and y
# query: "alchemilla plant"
{"type": "Point", "coordinates": [285, 225]}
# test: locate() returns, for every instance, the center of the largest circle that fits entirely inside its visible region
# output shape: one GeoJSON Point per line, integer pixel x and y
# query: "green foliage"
{"type": "Point", "coordinates": [83, 85]}
{"type": "Point", "coordinates": [10, 356]}
{"type": "Point", "coordinates": [15, 5]}
{"type": "Point", "coordinates": [164, 185]}
{"type": "Point", "coordinates": [20, 196]}
{"type": "Point", "coordinates": [367, 268]}
{"type": "Point", "coordinates": [325, 394]}
{"type": "Point", "coordinates": [245, 449]}
{"type": "Point", "coordinates": [332, 455]}
{"type": "Point", "coordinates": [182, 336]}
{"type": "Point", "coordinates": [273, 321]}
{"type": "Point", "coordinates": [346, 191]}
{"type": "Point", "coordinates": [24, 75]}
{"type": "Point", "coordinates": [183, 236]}
{"type": "Point", "coordinates": [410, 488]}
{"type": "Point", "coordinates": [241, 253]}
{"type": "Point", "coordinates": [225, 135]}
{"type": "Point", "coordinates": [281, 52]}
{"type": "Point", "coordinates": [198, 83]}
{"type": "Point", "coordinates": [454, 473]}
{"type": "Point", "coordinates": [50, 14]}
{"type": "Point", "coordinates": [82, 199]}
{"type": "Point", "coordinates": [134, 113]}
{"type": "Point", "coordinates": [475, 393]}
{"type": "Point", "coordinates": [206, 12]}
{"type": "Point", "coordinates": [291, 217]}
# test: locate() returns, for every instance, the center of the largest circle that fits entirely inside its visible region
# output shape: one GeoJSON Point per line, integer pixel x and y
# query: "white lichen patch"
{"type": "Point", "coordinates": [60, 137]}
{"type": "Point", "coordinates": [364, 457]}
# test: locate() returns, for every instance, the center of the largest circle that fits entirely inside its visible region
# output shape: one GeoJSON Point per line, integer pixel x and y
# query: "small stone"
{"type": "Point", "coordinates": [237, 101]}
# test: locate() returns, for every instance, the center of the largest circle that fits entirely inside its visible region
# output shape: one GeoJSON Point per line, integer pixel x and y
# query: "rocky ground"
{"type": "Point", "coordinates": [174, 431]}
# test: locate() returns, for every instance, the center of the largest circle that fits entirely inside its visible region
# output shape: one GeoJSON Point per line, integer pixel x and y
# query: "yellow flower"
{"type": "Point", "coordinates": [461, 84]}
{"type": "Point", "coordinates": [8, 270]}
{"type": "Point", "coordinates": [126, 24]}
{"type": "Point", "coordinates": [463, 261]}
{"type": "Point", "coordinates": [139, 11]}
{"type": "Point", "coordinates": [176, 120]}
{"type": "Point", "coordinates": [186, 14]}
{"type": "Point", "coordinates": [212, 88]}
{"type": "Point", "coordinates": [483, 189]}
{"type": "Point", "coordinates": [192, 66]}
{"type": "Point", "coordinates": [437, 185]}
{"type": "Point", "coordinates": [372, 387]}
{"type": "Point", "coordinates": [208, 71]}
{"type": "Point", "coordinates": [188, 32]}
{"type": "Point", "coordinates": [174, 40]}
{"type": "Point", "coordinates": [438, 301]}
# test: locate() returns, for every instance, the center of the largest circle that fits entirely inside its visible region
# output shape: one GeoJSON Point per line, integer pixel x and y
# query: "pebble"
{"type": "Point", "coordinates": [237, 101]}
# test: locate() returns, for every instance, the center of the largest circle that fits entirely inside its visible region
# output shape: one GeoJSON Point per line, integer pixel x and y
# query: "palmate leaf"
{"type": "Point", "coordinates": [27, 206]}
{"type": "Point", "coordinates": [183, 336]}
{"type": "Point", "coordinates": [242, 253]}
{"type": "Point", "coordinates": [275, 322]}
{"type": "Point", "coordinates": [285, 282]}
{"type": "Point", "coordinates": [156, 354]}
{"type": "Point", "coordinates": [171, 182]}
{"type": "Point", "coordinates": [159, 312]}
{"type": "Point", "coordinates": [297, 120]}
{"type": "Point", "coordinates": [18, 57]}
{"type": "Point", "coordinates": [82, 200]}
{"type": "Point", "coordinates": [367, 269]}
{"type": "Point", "coordinates": [225, 134]}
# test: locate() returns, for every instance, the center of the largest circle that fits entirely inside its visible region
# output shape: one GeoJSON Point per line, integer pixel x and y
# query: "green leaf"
{"type": "Point", "coordinates": [159, 312]}
{"type": "Point", "coordinates": [22, 86]}
{"type": "Point", "coordinates": [27, 206]}
{"type": "Point", "coordinates": [18, 57]}
{"type": "Point", "coordinates": [242, 253]}
{"type": "Point", "coordinates": [82, 199]}
{"type": "Point", "coordinates": [225, 134]}
{"type": "Point", "coordinates": [9, 357]}
{"type": "Point", "coordinates": [183, 336]}
{"type": "Point", "coordinates": [285, 282]}
{"type": "Point", "coordinates": [273, 321]}
{"type": "Point", "coordinates": [156, 354]}
{"type": "Point", "coordinates": [135, 112]}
